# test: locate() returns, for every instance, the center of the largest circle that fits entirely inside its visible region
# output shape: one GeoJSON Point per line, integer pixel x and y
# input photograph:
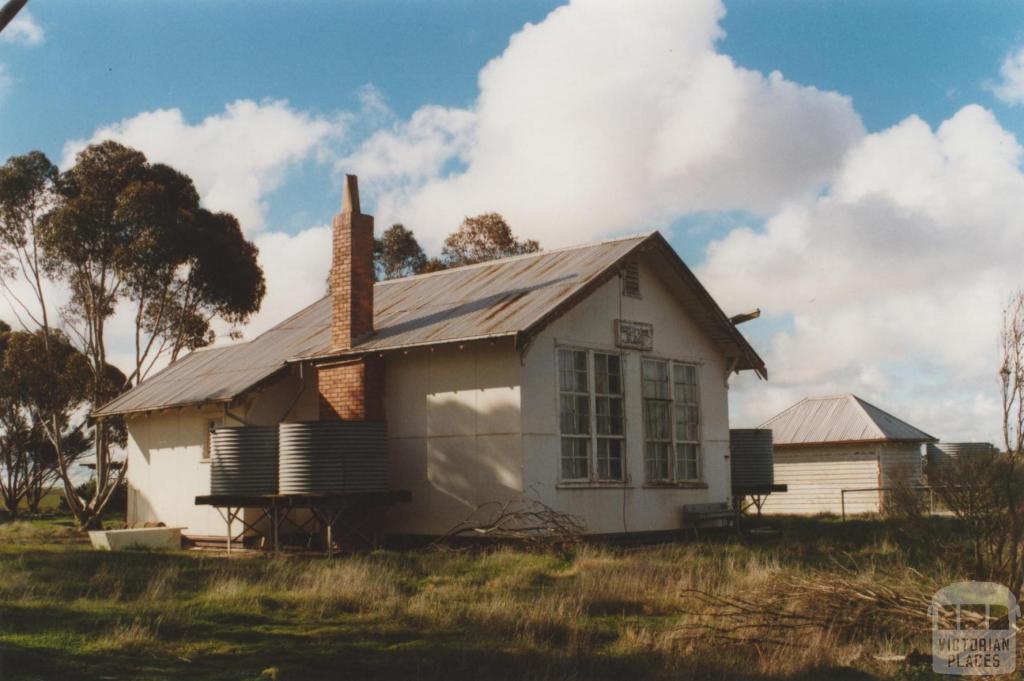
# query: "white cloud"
{"type": "Point", "coordinates": [883, 261]}
{"type": "Point", "coordinates": [597, 120]}
{"type": "Point", "coordinates": [23, 30]}
{"type": "Point", "coordinates": [296, 267]}
{"type": "Point", "coordinates": [236, 158]}
{"type": "Point", "coordinates": [1010, 88]}
{"type": "Point", "coordinates": [894, 279]}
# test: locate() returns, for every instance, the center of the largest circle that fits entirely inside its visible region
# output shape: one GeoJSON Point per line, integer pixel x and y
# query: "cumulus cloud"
{"type": "Point", "coordinates": [597, 120]}
{"type": "Point", "coordinates": [296, 267]}
{"type": "Point", "coordinates": [236, 158]}
{"type": "Point", "coordinates": [1010, 87]}
{"type": "Point", "coordinates": [23, 30]}
{"type": "Point", "coordinates": [882, 262]}
{"type": "Point", "coordinates": [892, 282]}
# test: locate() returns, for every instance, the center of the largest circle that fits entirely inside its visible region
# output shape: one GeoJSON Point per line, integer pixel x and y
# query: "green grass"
{"type": "Point", "coordinates": [69, 612]}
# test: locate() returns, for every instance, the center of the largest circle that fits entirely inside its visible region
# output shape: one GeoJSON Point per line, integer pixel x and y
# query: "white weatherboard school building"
{"type": "Point", "coordinates": [824, 445]}
{"type": "Point", "coordinates": [593, 378]}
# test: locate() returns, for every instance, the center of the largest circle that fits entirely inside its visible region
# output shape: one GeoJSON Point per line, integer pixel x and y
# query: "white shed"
{"type": "Point", "coordinates": [841, 448]}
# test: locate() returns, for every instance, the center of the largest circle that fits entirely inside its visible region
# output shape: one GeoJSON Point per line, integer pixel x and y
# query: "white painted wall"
{"type": "Point", "coordinates": [816, 476]}
{"type": "Point", "coordinates": [454, 433]}
{"type": "Point", "coordinates": [166, 469]}
{"type": "Point", "coordinates": [474, 425]}
{"type": "Point", "coordinates": [634, 506]}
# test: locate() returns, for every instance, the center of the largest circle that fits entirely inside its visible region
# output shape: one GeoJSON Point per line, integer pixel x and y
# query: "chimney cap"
{"type": "Point", "coordinates": [350, 196]}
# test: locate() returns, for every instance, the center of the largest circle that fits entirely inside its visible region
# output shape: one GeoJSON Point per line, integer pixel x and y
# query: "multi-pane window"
{"type": "Point", "coordinates": [687, 415]}
{"type": "Point", "coordinates": [574, 410]}
{"type": "Point", "coordinates": [591, 415]}
{"type": "Point", "coordinates": [671, 421]}
{"type": "Point", "coordinates": [610, 430]}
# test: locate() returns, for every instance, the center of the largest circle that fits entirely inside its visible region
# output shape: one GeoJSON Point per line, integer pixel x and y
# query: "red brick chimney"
{"type": "Point", "coordinates": [351, 271]}
{"type": "Point", "coordinates": [351, 389]}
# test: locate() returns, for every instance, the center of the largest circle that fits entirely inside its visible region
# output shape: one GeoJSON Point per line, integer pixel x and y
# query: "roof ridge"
{"type": "Point", "coordinates": [862, 403]}
{"type": "Point", "coordinates": [522, 256]}
{"type": "Point", "coordinates": [784, 411]}
{"type": "Point", "coordinates": [837, 396]}
{"type": "Point", "coordinates": [874, 424]}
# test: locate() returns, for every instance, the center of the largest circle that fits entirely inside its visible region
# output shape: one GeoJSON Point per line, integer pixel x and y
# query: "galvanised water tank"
{"type": "Point", "coordinates": [751, 458]}
{"type": "Point", "coordinates": [243, 460]}
{"type": "Point", "coordinates": [333, 456]}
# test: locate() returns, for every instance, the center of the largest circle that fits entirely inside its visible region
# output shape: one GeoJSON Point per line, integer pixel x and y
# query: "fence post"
{"type": "Point", "coordinates": [931, 502]}
{"type": "Point", "coordinates": [842, 501]}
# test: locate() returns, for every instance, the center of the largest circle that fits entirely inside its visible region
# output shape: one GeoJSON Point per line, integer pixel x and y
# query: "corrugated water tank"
{"type": "Point", "coordinates": [751, 458]}
{"type": "Point", "coordinates": [243, 460]}
{"type": "Point", "coordinates": [333, 456]}
{"type": "Point", "coordinates": [941, 454]}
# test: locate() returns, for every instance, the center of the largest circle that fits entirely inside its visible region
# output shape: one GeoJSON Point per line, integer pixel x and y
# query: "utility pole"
{"type": "Point", "coordinates": [9, 11]}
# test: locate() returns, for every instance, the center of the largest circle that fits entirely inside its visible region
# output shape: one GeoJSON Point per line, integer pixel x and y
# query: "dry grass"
{"type": "Point", "coordinates": [598, 613]}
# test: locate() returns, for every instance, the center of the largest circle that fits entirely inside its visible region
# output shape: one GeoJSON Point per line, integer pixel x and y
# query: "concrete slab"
{"type": "Point", "coordinates": [138, 538]}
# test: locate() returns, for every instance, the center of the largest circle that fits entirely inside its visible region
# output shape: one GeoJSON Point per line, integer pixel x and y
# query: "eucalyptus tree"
{"type": "Point", "coordinates": [45, 381]}
{"type": "Point", "coordinates": [481, 238]}
{"type": "Point", "coordinates": [397, 253]}
{"type": "Point", "coordinates": [118, 232]}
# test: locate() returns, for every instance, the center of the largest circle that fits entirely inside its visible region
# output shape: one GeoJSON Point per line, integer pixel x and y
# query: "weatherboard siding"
{"type": "Point", "coordinates": [816, 475]}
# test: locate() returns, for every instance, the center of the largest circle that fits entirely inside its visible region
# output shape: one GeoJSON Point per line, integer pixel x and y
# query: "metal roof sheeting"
{"type": "Point", "coordinates": [837, 419]}
{"type": "Point", "coordinates": [508, 297]}
{"type": "Point", "coordinates": [223, 373]}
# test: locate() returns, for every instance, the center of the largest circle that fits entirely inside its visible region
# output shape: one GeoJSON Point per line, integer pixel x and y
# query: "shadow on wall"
{"type": "Point", "coordinates": [468, 457]}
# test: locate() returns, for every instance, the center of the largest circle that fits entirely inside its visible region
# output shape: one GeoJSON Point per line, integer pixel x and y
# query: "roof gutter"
{"type": "Point", "coordinates": [877, 441]}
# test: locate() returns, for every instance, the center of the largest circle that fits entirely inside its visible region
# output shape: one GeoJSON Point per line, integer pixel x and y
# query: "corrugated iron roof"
{"type": "Point", "coordinates": [840, 418]}
{"type": "Point", "coordinates": [513, 296]}
{"type": "Point", "coordinates": [223, 373]}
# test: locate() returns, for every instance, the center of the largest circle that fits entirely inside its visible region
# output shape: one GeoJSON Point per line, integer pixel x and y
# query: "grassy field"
{"type": "Point", "coordinates": [67, 612]}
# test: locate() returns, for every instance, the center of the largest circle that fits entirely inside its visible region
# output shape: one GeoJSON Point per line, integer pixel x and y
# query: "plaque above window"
{"type": "Point", "coordinates": [635, 335]}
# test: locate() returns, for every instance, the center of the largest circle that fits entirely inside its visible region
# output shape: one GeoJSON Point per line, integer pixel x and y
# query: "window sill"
{"type": "Point", "coordinates": [676, 485]}
{"type": "Point", "coordinates": [205, 460]}
{"type": "Point", "coordinates": [586, 484]}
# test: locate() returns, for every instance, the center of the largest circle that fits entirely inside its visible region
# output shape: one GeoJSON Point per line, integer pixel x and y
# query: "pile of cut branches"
{"type": "Point", "coordinates": [823, 602]}
{"type": "Point", "coordinates": [521, 520]}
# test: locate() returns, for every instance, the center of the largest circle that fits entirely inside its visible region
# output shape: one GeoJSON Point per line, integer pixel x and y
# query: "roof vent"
{"type": "Point", "coordinates": [631, 279]}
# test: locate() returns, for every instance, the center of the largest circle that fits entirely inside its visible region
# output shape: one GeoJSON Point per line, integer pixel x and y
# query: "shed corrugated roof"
{"type": "Point", "coordinates": [509, 297]}
{"type": "Point", "coordinates": [840, 418]}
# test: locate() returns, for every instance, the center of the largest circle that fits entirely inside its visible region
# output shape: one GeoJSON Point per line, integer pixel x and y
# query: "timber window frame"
{"type": "Point", "coordinates": [592, 415]}
{"type": "Point", "coordinates": [209, 426]}
{"type": "Point", "coordinates": [673, 451]}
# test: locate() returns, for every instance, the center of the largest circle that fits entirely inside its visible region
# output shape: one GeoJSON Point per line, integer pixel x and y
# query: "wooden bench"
{"type": "Point", "coordinates": [696, 515]}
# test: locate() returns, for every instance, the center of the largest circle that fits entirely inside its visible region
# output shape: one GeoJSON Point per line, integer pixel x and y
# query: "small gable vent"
{"type": "Point", "coordinates": [631, 279]}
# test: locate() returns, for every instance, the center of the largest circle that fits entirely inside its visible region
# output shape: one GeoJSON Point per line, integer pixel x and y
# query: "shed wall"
{"type": "Point", "coordinates": [817, 474]}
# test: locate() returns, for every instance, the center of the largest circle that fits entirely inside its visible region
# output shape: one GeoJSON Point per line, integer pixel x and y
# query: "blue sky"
{"type": "Point", "coordinates": [107, 60]}
{"type": "Point", "coordinates": [355, 81]}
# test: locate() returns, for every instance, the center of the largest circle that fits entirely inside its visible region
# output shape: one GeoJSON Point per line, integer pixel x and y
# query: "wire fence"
{"type": "Point", "coordinates": [934, 505]}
